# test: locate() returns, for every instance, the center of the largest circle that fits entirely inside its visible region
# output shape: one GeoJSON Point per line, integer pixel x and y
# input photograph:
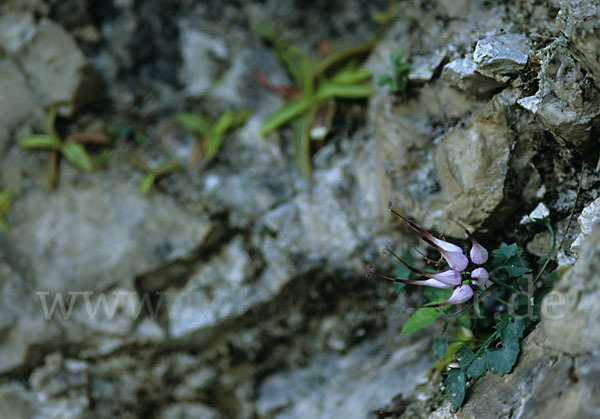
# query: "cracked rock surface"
{"type": "Point", "coordinates": [236, 289]}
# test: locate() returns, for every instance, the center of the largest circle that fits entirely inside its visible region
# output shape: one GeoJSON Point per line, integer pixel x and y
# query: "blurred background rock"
{"type": "Point", "coordinates": [256, 274]}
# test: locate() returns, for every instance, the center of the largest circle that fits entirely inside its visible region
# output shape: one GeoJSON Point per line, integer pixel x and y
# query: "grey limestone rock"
{"type": "Point", "coordinates": [423, 68]}
{"type": "Point", "coordinates": [462, 73]}
{"type": "Point", "coordinates": [463, 175]}
{"type": "Point", "coordinates": [17, 29]}
{"type": "Point", "coordinates": [57, 70]}
{"type": "Point", "coordinates": [586, 41]}
{"type": "Point", "coordinates": [502, 55]}
{"type": "Point", "coordinates": [265, 310]}
{"type": "Point", "coordinates": [43, 66]}
{"type": "Point", "coordinates": [17, 101]}
{"type": "Point", "coordinates": [189, 410]}
{"type": "Point", "coordinates": [556, 374]}
{"type": "Point", "coordinates": [124, 235]}
{"type": "Point", "coordinates": [567, 103]}
{"type": "Point", "coordinates": [589, 217]}
{"type": "Point", "coordinates": [571, 322]}
{"type": "Point", "coordinates": [199, 51]}
{"type": "Point", "coordinates": [348, 386]}
{"type": "Point", "coordinates": [218, 291]}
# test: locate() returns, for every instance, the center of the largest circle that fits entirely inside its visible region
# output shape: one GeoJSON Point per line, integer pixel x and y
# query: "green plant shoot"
{"type": "Point", "coordinates": [71, 149]}
{"type": "Point", "coordinates": [317, 85]}
{"type": "Point", "coordinates": [398, 80]}
{"type": "Point", "coordinates": [209, 136]}
{"type": "Point", "coordinates": [151, 174]}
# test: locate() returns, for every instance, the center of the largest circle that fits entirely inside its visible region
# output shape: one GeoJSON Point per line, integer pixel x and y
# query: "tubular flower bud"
{"type": "Point", "coordinates": [454, 256]}
{"type": "Point", "coordinates": [480, 276]}
{"type": "Point", "coordinates": [478, 253]}
{"type": "Point", "coordinates": [459, 295]}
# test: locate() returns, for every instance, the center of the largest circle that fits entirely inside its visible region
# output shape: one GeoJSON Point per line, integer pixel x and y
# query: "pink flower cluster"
{"type": "Point", "coordinates": [456, 259]}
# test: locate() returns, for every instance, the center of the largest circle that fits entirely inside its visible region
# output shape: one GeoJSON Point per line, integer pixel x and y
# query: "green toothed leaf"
{"type": "Point", "coordinates": [399, 78]}
{"type": "Point", "coordinates": [465, 357]}
{"type": "Point", "coordinates": [456, 387]}
{"type": "Point", "coordinates": [505, 252]}
{"type": "Point", "coordinates": [510, 259]}
{"type": "Point", "coordinates": [501, 360]}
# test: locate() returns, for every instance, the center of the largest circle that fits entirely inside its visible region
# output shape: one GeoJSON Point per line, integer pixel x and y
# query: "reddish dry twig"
{"type": "Point", "coordinates": [286, 91]}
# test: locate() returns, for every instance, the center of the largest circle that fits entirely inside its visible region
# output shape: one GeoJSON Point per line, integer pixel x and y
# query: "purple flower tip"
{"type": "Point", "coordinates": [479, 254]}
{"type": "Point", "coordinates": [432, 282]}
{"type": "Point", "coordinates": [444, 245]}
{"type": "Point", "coordinates": [456, 260]}
{"type": "Point", "coordinates": [480, 276]}
{"type": "Point", "coordinates": [460, 294]}
{"type": "Point", "coordinates": [451, 277]}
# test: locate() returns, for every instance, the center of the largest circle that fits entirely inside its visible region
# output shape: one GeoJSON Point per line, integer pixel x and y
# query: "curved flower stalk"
{"type": "Point", "coordinates": [431, 282]}
{"type": "Point", "coordinates": [456, 259]}
{"type": "Point", "coordinates": [479, 254]}
{"type": "Point", "coordinates": [453, 254]}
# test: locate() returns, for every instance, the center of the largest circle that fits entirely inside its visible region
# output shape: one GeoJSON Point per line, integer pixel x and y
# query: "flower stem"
{"type": "Point", "coordinates": [458, 313]}
{"type": "Point", "coordinates": [503, 284]}
{"type": "Point", "coordinates": [549, 227]}
{"type": "Point", "coordinates": [481, 349]}
{"type": "Point", "coordinates": [501, 301]}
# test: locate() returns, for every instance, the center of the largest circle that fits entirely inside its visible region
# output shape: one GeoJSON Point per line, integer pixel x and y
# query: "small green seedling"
{"type": "Point", "coordinates": [399, 77]}
{"type": "Point", "coordinates": [151, 174]}
{"type": "Point", "coordinates": [72, 148]}
{"type": "Point", "coordinates": [5, 200]}
{"type": "Point", "coordinates": [317, 86]}
{"type": "Point", "coordinates": [209, 136]}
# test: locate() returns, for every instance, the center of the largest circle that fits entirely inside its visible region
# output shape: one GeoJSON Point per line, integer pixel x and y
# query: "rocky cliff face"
{"type": "Point", "coordinates": [236, 289]}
